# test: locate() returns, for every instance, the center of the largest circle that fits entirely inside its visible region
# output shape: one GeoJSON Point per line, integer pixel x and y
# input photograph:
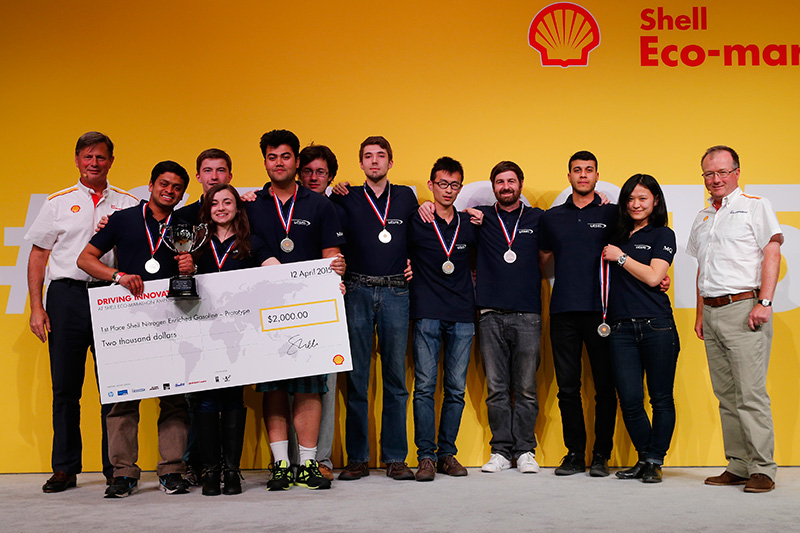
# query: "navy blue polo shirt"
{"type": "Point", "coordinates": [125, 230]}
{"type": "Point", "coordinates": [206, 262]}
{"type": "Point", "coordinates": [513, 286]}
{"type": "Point", "coordinates": [315, 226]}
{"type": "Point", "coordinates": [365, 253]}
{"type": "Point", "coordinates": [434, 294]}
{"type": "Point", "coordinates": [627, 296]}
{"type": "Point", "coordinates": [577, 238]}
{"type": "Point", "coordinates": [190, 212]}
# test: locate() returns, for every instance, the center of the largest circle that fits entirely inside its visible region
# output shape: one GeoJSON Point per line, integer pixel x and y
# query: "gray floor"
{"type": "Point", "coordinates": [507, 501]}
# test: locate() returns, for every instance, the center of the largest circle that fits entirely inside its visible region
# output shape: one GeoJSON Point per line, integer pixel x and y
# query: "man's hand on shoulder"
{"type": "Point", "coordinates": [426, 211]}
{"type": "Point", "coordinates": [249, 196]}
{"type": "Point", "coordinates": [475, 215]}
{"type": "Point", "coordinates": [341, 188]}
{"type": "Point", "coordinates": [101, 223]}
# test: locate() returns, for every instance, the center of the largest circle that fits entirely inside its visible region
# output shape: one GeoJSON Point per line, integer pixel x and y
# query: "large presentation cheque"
{"type": "Point", "coordinates": [249, 326]}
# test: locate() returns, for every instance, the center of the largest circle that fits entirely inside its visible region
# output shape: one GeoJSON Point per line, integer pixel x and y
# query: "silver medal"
{"type": "Point", "coordinates": [448, 267]}
{"type": "Point", "coordinates": [384, 236]}
{"type": "Point", "coordinates": [152, 266]}
{"type": "Point", "coordinates": [510, 256]}
{"type": "Point", "coordinates": [287, 245]}
{"type": "Point", "coordinates": [604, 330]}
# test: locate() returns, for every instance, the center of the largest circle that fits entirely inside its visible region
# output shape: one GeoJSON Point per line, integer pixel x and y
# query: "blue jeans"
{"type": "Point", "coordinates": [510, 350]}
{"type": "Point", "coordinates": [646, 347]}
{"type": "Point", "coordinates": [429, 335]}
{"type": "Point", "coordinates": [384, 308]}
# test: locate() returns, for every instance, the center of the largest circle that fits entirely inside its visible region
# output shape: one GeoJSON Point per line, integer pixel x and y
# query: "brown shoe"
{"type": "Point", "coordinates": [426, 470]}
{"type": "Point", "coordinates": [354, 471]}
{"type": "Point", "coordinates": [59, 482]}
{"type": "Point", "coordinates": [399, 471]}
{"type": "Point", "coordinates": [326, 472]}
{"type": "Point", "coordinates": [726, 478]}
{"type": "Point", "coordinates": [449, 465]}
{"type": "Point", "coordinates": [759, 483]}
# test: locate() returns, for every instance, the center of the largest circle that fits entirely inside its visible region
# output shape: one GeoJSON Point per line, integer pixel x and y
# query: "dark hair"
{"type": "Point", "coordinates": [312, 152]}
{"type": "Point", "coordinates": [276, 138]}
{"type": "Point", "coordinates": [449, 165]}
{"type": "Point", "coordinates": [169, 166]}
{"type": "Point", "coordinates": [380, 141]}
{"type": "Point", "coordinates": [214, 153]}
{"type": "Point", "coordinates": [241, 224]}
{"type": "Point", "coordinates": [506, 166]}
{"type": "Point", "coordinates": [92, 138]}
{"type": "Point", "coordinates": [583, 155]}
{"type": "Point", "coordinates": [658, 217]}
{"type": "Point", "coordinates": [722, 148]}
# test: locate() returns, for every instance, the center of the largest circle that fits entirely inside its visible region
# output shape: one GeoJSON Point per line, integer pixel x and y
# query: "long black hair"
{"type": "Point", "coordinates": [657, 218]}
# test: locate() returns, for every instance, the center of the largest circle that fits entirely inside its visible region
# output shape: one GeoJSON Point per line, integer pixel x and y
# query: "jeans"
{"type": "Point", "coordinates": [646, 347]}
{"type": "Point", "coordinates": [218, 400]}
{"type": "Point", "coordinates": [510, 349]}
{"type": "Point", "coordinates": [387, 309]}
{"type": "Point", "coordinates": [568, 332]}
{"type": "Point", "coordinates": [429, 336]}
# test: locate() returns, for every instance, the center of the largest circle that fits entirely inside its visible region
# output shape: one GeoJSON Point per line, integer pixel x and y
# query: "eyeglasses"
{"type": "Point", "coordinates": [320, 172]}
{"type": "Point", "coordinates": [721, 173]}
{"type": "Point", "coordinates": [444, 185]}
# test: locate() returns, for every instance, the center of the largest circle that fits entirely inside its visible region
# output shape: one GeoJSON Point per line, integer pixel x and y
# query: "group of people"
{"type": "Point", "coordinates": [441, 270]}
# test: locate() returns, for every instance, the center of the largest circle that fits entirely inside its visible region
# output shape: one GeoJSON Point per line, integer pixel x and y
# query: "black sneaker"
{"type": "Point", "coordinates": [571, 464]}
{"type": "Point", "coordinates": [282, 478]}
{"type": "Point", "coordinates": [122, 487]}
{"type": "Point", "coordinates": [599, 466]}
{"type": "Point", "coordinates": [174, 484]}
{"type": "Point", "coordinates": [308, 475]}
{"type": "Point", "coordinates": [193, 475]}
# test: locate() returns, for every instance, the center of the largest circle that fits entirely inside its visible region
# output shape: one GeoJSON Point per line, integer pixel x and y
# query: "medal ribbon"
{"type": "Point", "coordinates": [605, 281]}
{"type": "Point", "coordinates": [153, 249]}
{"type": "Point", "coordinates": [509, 240]}
{"type": "Point", "coordinates": [224, 257]}
{"type": "Point", "coordinates": [375, 208]}
{"type": "Point", "coordinates": [448, 249]}
{"type": "Point", "coordinates": [287, 223]}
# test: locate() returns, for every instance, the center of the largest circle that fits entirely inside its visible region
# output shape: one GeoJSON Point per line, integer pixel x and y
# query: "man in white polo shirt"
{"type": "Point", "coordinates": [737, 241]}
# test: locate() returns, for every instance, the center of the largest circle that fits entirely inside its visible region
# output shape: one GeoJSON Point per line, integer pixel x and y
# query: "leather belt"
{"type": "Point", "coordinates": [730, 298]}
{"type": "Point", "coordinates": [83, 284]}
{"type": "Point", "coordinates": [398, 280]}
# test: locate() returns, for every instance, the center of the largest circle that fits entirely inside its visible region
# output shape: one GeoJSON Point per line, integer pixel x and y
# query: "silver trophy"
{"type": "Point", "coordinates": [183, 239]}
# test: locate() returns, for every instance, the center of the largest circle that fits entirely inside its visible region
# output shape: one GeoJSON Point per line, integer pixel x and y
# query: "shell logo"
{"type": "Point", "coordinates": [338, 359]}
{"type": "Point", "coordinates": [75, 208]}
{"type": "Point", "coordinates": [564, 33]}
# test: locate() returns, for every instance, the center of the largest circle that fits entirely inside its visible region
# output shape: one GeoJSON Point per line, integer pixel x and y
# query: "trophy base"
{"type": "Point", "coordinates": [183, 287]}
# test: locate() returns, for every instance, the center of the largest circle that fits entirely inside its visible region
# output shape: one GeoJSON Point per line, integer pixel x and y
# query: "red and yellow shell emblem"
{"type": "Point", "coordinates": [564, 34]}
{"type": "Point", "coordinates": [75, 208]}
{"type": "Point", "coordinates": [338, 359]}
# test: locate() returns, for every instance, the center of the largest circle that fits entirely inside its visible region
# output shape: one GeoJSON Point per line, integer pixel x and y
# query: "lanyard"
{"type": "Point", "coordinates": [375, 208]}
{"type": "Point", "coordinates": [153, 249]}
{"type": "Point", "coordinates": [605, 281]}
{"type": "Point", "coordinates": [448, 249]}
{"type": "Point", "coordinates": [224, 257]}
{"type": "Point", "coordinates": [509, 240]}
{"type": "Point", "coordinates": [287, 223]}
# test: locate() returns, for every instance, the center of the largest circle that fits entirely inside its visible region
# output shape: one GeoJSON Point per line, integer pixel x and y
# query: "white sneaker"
{"type": "Point", "coordinates": [526, 463]}
{"type": "Point", "coordinates": [497, 463]}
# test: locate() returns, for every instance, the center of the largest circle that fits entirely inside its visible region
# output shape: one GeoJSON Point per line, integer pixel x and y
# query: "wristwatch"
{"type": "Point", "coordinates": [621, 259]}
{"type": "Point", "coordinates": [765, 302]}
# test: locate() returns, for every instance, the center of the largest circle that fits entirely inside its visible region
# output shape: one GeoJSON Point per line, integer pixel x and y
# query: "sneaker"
{"type": "Point", "coordinates": [399, 471]}
{"type": "Point", "coordinates": [193, 475]}
{"type": "Point", "coordinates": [174, 483]}
{"type": "Point", "coordinates": [526, 463]}
{"type": "Point", "coordinates": [122, 487]}
{"type": "Point", "coordinates": [496, 463]}
{"type": "Point", "coordinates": [449, 465]}
{"type": "Point", "coordinates": [354, 471]}
{"type": "Point", "coordinates": [599, 466]}
{"type": "Point", "coordinates": [571, 464]}
{"type": "Point", "coordinates": [426, 471]}
{"type": "Point", "coordinates": [308, 475]}
{"type": "Point", "coordinates": [325, 470]}
{"type": "Point", "coordinates": [282, 478]}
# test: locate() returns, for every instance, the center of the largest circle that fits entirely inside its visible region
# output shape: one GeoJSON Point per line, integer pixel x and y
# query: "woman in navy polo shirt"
{"type": "Point", "coordinates": [220, 413]}
{"type": "Point", "coordinates": [644, 340]}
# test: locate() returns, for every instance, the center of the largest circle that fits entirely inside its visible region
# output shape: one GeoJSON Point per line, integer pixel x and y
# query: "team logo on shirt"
{"type": "Point", "coordinates": [301, 222]}
{"type": "Point", "coordinates": [461, 246]}
{"type": "Point", "coordinates": [740, 212]}
{"type": "Point", "coordinates": [596, 225]}
{"type": "Point", "coordinates": [75, 208]}
{"type": "Point", "coordinates": [525, 231]}
{"type": "Point", "coordinates": [394, 221]}
{"type": "Point", "coordinates": [642, 246]}
{"type": "Point", "coordinates": [668, 249]}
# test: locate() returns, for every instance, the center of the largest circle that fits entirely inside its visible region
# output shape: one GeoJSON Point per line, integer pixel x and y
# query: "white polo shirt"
{"type": "Point", "coordinates": [67, 222]}
{"type": "Point", "coordinates": [728, 243]}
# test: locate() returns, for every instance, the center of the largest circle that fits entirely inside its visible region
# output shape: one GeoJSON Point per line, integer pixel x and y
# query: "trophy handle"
{"type": "Point", "coordinates": [166, 231]}
{"type": "Point", "coordinates": [203, 229]}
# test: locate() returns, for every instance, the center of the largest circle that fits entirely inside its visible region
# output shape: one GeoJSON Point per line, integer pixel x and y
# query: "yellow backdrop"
{"type": "Point", "coordinates": [168, 79]}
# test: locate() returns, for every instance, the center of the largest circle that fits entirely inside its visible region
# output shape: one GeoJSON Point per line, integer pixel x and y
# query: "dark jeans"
{"type": "Point", "coordinates": [510, 348]}
{"type": "Point", "coordinates": [429, 336]}
{"type": "Point", "coordinates": [67, 306]}
{"type": "Point", "coordinates": [568, 333]}
{"type": "Point", "coordinates": [218, 400]}
{"type": "Point", "coordinates": [384, 308]}
{"type": "Point", "coordinates": [646, 347]}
